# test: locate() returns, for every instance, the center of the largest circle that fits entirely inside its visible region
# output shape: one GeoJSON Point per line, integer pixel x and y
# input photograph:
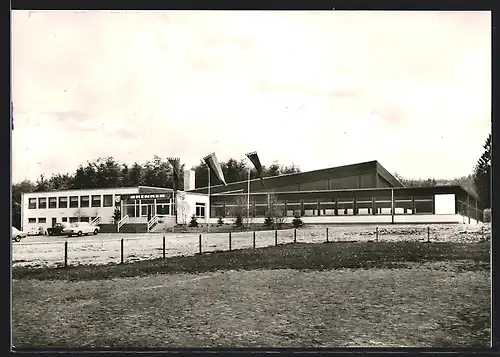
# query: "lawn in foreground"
{"type": "Point", "coordinates": [428, 304]}
{"type": "Point", "coordinates": [313, 295]}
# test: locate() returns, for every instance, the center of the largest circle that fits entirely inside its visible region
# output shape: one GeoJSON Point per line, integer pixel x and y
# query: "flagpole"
{"type": "Point", "coordinates": [248, 199]}
{"type": "Point", "coordinates": [208, 225]}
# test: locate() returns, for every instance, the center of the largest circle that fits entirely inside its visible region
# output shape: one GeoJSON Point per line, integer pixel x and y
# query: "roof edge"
{"type": "Point", "coordinates": [284, 175]}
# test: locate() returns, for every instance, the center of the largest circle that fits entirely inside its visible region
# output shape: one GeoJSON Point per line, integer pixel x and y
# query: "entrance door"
{"type": "Point", "coordinates": [54, 221]}
{"type": "Point", "coordinates": [147, 211]}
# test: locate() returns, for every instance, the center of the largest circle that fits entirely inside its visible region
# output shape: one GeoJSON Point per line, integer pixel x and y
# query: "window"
{"type": "Point", "coordinates": [65, 219]}
{"type": "Point", "coordinates": [96, 201]}
{"type": "Point", "coordinates": [84, 219]}
{"type": "Point", "coordinates": [63, 202]}
{"type": "Point", "coordinates": [163, 209]}
{"type": "Point", "coordinates": [42, 203]}
{"type": "Point", "coordinates": [31, 220]}
{"type": "Point", "coordinates": [32, 203]}
{"type": "Point", "coordinates": [42, 220]}
{"type": "Point", "coordinates": [52, 202]}
{"type": "Point", "coordinates": [73, 219]}
{"type": "Point", "coordinates": [200, 210]}
{"type": "Point", "coordinates": [108, 200]}
{"type": "Point", "coordinates": [130, 211]}
{"type": "Point", "coordinates": [84, 201]}
{"type": "Point", "coordinates": [73, 202]}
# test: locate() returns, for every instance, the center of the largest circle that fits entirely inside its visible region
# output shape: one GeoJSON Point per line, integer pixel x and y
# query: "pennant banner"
{"type": "Point", "coordinates": [215, 167]}
{"type": "Point", "coordinates": [175, 162]}
{"type": "Point", "coordinates": [254, 158]}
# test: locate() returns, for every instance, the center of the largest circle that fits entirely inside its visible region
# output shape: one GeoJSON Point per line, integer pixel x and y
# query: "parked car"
{"type": "Point", "coordinates": [17, 235]}
{"type": "Point", "coordinates": [58, 228]}
{"type": "Point", "coordinates": [36, 231]}
{"type": "Point", "coordinates": [80, 228]}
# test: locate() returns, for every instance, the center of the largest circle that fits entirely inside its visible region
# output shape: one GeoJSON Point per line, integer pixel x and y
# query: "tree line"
{"type": "Point", "coordinates": [467, 182]}
{"type": "Point", "coordinates": [478, 182]}
{"type": "Point", "coordinates": [109, 173]}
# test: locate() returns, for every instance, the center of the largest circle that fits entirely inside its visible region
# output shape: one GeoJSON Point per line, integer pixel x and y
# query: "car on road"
{"type": "Point", "coordinates": [80, 228]}
{"type": "Point", "coordinates": [36, 231]}
{"type": "Point", "coordinates": [58, 228]}
{"type": "Point", "coordinates": [17, 235]}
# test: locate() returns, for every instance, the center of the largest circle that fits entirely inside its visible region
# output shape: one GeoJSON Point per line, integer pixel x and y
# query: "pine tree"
{"type": "Point", "coordinates": [482, 174]}
{"type": "Point", "coordinates": [117, 215]}
{"type": "Point", "coordinates": [297, 222]}
{"type": "Point", "coordinates": [194, 222]}
{"type": "Point", "coordinates": [269, 222]}
{"type": "Point", "coordinates": [239, 221]}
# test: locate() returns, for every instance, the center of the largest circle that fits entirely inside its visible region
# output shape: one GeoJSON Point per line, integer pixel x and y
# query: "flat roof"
{"type": "Point", "coordinates": [140, 189]}
{"type": "Point", "coordinates": [307, 176]}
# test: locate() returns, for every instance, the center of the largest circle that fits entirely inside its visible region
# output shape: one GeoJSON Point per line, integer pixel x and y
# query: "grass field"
{"type": "Point", "coordinates": [294, 295]}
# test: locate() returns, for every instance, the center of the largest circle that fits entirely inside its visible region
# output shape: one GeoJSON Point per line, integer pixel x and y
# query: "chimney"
{"type": "Point", "coordinates": [189, 183]}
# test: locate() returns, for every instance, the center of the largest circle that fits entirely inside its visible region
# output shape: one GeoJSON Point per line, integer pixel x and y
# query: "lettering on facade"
{"type": "Point", "coordinates": [146, 196]}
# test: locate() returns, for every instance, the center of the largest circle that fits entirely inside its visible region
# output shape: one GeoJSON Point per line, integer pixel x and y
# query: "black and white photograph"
{"type": "Point", "coordinates": [250, 179]}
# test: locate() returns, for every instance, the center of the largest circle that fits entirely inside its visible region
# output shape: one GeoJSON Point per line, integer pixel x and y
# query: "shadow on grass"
{"type": "Point", "coordinates": [303, 256]}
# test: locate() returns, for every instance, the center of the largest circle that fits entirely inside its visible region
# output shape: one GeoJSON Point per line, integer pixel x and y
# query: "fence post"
{"type": "Point", "coordinates": [229, 241]}
{"type": "Point", "coordinates": [199, 243]}
{"type": "Point", "coordinates": [295, 235]}
{"type": "Point", "coordinates": [376, 236]}
{"type": "Point", "coordinates": [327, 234]}
{"type": "Point", "coordinates": [276, 238]}
{"type": "Point", "coordinates": [163, 247]}
{"type": "Point", "coordinates": [428, 234]}
{"type": "Point", "coordinates": [66, 253]}
{"type": "Point", "coordinates": [121, 251]}
{"type": "Point", "coordinates": [253, 239]}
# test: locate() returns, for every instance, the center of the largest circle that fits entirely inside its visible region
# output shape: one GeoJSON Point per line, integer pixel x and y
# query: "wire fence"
{"type": "Point", "coordinates": [98, 251]}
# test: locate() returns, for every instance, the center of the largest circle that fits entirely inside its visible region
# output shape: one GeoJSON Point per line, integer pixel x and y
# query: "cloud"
{"type": "Point", "coordinates": [68, 116]}
{"type": "Point", "coordinates": [317, 89]}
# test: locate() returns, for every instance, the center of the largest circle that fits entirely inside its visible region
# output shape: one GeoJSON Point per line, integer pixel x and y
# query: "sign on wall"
{"type": "Point", "coordinates": [144, 196]}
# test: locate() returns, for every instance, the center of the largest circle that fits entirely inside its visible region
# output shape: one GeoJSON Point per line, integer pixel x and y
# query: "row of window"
{"type": "Point", "coordinates": [74, 202]}
{"type": "Point", "coordinates": [63, 219]}
{"type": "Point", "coordinates": [161, 209]}
{"type": "Point", "coordinates": [144, 210]}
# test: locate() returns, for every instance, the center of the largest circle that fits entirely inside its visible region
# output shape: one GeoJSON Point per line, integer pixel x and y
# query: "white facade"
{"type": "Point", "coordinates": [44, 209]}
{"type": "Point", "coordinates": [69, 206]}
{"type": "Point", "coordinates": [192, 203]}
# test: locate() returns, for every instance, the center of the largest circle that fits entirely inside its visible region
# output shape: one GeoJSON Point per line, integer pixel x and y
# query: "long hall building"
{"type": "Point", "coordinates": [359, 193]}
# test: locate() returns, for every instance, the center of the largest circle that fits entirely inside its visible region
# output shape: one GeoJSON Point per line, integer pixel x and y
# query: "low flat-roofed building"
{"type": "Point", "coordinates": [136, 205]}
{"type": "Point", "coordinates": [359, 193]}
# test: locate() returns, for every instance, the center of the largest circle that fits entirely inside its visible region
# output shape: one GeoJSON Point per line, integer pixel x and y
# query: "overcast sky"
{"type": "Point", "coordinates": [318, 89]}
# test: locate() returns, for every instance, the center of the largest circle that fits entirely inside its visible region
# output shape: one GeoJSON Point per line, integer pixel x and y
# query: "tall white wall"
{"type": "Point", "coordinates": [186, 206]}
{"type": "Point", "coordinates": [444, 203]}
